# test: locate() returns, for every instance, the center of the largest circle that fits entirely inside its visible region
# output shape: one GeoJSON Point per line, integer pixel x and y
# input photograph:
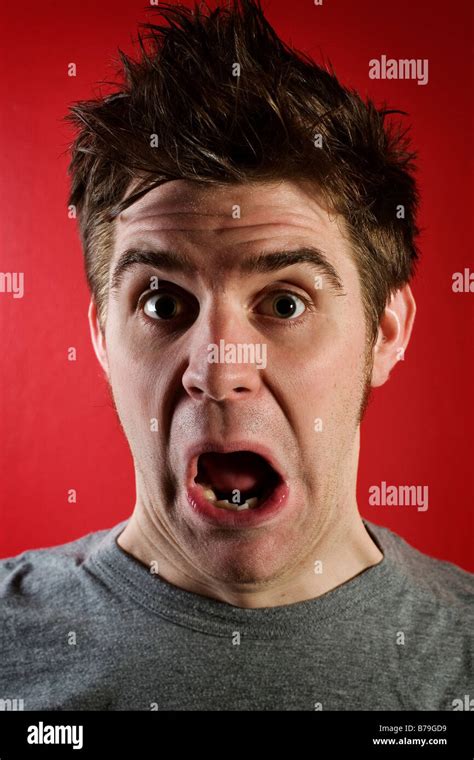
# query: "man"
{"type": "Point", "coordinates": [248, 228]}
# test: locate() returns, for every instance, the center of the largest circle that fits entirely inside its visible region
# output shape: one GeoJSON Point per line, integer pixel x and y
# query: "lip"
{"type": "Point", "coordinates": [224, 517]}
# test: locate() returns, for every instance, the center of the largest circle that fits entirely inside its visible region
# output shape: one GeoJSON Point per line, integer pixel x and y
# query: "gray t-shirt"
{"type": "Point", "coordinates": [85, 626]}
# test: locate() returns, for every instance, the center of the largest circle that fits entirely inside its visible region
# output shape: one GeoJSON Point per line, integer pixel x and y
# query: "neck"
{"type": "Point", "coordinates": [342, 552]}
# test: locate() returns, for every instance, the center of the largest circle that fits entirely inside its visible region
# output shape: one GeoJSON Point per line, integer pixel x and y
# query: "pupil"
{"type": "Point", "coordinates": [165, 307]}
{"type": "Point", "coordinates": [285, 312]}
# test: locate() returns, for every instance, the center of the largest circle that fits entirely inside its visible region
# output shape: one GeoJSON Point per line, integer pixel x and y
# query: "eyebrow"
{"type": "Point", "coordinates": [273, 261]}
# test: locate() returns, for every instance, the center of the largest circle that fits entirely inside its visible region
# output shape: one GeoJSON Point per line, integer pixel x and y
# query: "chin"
{"type": "Point", "coordinates": [246, 562]}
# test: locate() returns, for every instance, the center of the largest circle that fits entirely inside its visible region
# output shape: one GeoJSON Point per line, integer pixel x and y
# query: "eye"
{"type": "Point", "coordinates": [162, 306]}
{"type": "Point", "coordinates": [285, 305]}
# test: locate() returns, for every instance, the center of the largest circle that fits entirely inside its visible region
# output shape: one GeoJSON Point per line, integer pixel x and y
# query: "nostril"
{"type": "Point", "coordinates": [195, 390]}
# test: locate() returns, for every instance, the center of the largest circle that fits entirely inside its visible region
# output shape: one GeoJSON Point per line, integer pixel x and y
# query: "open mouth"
{"type": "Point", "coordinates": [237, 480]}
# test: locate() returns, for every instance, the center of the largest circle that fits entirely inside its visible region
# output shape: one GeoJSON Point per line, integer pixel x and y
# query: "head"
{"type": "Point", "coordinates": [233, 191]}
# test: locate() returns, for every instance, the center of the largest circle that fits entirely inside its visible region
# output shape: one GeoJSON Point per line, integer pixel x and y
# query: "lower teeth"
{"type": "Point", "coordinates": [249, 503]}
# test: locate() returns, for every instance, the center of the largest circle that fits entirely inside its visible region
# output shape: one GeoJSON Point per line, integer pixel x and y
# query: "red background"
{"type": "Point", "coordinates": [58, 426]}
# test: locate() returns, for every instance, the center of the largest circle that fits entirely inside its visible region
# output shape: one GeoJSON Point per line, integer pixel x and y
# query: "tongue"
{"type": "Point", "coordinates": [242, 470]}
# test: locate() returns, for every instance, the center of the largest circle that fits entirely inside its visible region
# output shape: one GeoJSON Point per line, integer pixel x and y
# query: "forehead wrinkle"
{"type": "Point", "coordinates": [282, 216]}
{"type": "Point", "coordinates": [220, 230]}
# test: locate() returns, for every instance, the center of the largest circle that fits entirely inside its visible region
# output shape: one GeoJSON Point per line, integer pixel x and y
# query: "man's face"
{"type": "Point", "coordinates": [300, 398]}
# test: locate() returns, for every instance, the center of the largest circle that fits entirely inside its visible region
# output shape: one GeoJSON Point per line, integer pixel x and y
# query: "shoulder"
{"type": "Point", "coordinates": [38, 573]}
{"type": "Point", "coordinates": [429, 579]}
{"type": "Point", "coordinates": [52, 610]}
{"type": "Point", "coordinates": [430, 604]}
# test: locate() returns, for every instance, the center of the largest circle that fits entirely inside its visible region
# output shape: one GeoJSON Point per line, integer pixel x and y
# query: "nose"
{"type": "Point", "coordinates": [225, 358]}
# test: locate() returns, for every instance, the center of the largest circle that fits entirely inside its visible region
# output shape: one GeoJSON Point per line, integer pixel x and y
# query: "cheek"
{"type": "Point", "coordinates": [321, 376]}
{"type": "Point", "coordinates": [328, 355]}
{"type": "Point", "coordinates": [137, 384]}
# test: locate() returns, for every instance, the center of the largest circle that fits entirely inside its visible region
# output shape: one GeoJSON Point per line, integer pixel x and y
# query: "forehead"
{"type": "Point", "coordinates": [213, 203]}
{"type": "Point", "coordinates": [206, 222]}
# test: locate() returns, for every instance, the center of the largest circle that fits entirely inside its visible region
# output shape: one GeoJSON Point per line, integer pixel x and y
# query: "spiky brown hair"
{"type": "Point", "coordinates": [214, 126]}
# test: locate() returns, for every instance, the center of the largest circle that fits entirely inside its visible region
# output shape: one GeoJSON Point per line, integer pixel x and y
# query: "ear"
{"type": "Point", "coordinates": [395, 328]}
{"type": "Point", "coordinates": [98, 338]}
